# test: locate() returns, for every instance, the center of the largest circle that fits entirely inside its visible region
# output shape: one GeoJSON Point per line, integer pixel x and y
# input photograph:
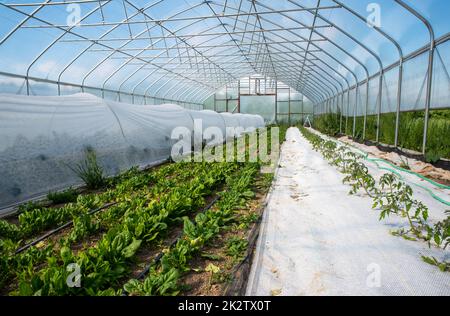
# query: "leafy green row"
{"type": "Point", "coordinates": [85, 223]}
{"type": "Point", "coordinates": [130, 191]}
{"type": "Point", "coordinates": [37, 219]}
{"type": "Point", "coordinates": [109, 260]}
{"type": "Point", "coordinates": [164, 280]}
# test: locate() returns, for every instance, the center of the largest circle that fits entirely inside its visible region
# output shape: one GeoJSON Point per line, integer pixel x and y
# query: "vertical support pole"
{"type": "Point", "coordinates": [27, 81]}
{"type": "Point", "coordinates": [341, 110]}
{"type": "Point", "coordinates": [215, 97]}
{"type": "Point", "coordinates": [348, 110]}
{"type": "Point", "coordinates": [314, 115]}
{"type": "Point", "coordinates": [303, 111]}
{"type": "Point", "coordinates": [226, 98]}
{"type": "Point", "coordinates": [366, 110]}
{"type": "Point", "coordinates": [380, 96]}
{"type": "Point", "coordinates": [354, 109]}
{"type": "Point", "coordinates": [289, 110]}
{"type": "Point", "coordinates": [239, 97]}
{"type": "Point", "coordinates": [428, 97]}
{"type": "Point", "coordinates": [399, 101]}
{"type": "Point", "coordinates": [276, 101]}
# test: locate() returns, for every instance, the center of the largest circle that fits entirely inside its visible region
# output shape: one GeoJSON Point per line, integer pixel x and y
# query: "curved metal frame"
{"type": "Point", "coordinates": [256, 50]}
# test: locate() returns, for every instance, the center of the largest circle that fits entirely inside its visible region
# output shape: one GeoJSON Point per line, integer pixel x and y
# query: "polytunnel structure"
{"type": "Point", "coordinates": [292, 117]}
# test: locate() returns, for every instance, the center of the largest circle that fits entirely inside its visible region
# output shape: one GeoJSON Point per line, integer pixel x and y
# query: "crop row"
{"type": "Point", "coordinates": [164, 279]}
{"type": "Point", "coordinates": [128, 185]}
{"type": "Point", "coordinates": [142, 216]}
{"type": "Point", "coordinates": [35, 219]}
{"type": "Point", "coordinates": [390, 195]}
{"type": "Point", "coordinates": [144, 220]}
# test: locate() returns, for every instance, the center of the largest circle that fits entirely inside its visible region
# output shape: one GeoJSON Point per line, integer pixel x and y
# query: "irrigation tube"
{"type": "Point", "coordinates": [395, 170]}
{"type": "Point", "coordinates": [434, 196]}
{"type": "Point", "coordinates": [160, 255]}
{"type": "Point", "coordinates": [54, 231]}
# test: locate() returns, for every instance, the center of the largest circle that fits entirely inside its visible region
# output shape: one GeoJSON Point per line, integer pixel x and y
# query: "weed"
{"type": "Point", "coordinates": [90, 171]}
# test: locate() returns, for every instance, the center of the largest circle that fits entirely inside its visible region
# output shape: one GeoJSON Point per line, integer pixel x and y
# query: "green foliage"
{"type": "Point", "coordinates": [396, 198]}
{"type": "Point", "coordinates": [147, 204]}
{"type": "Point", "coordinates": [161, 284]}
{"type": "Point", "coordinates": [29, 206]}
{"type": "Point", "coordinates": [236, 247]}
{"type": "Point", "coordinates": [8, 230]}
{"type": "Point", "coordinates": [90, 171]}
{"type": "Point", "coordinates": [43, 218]}
{"type": "Point", "coordinates": [410, 130]}
{"type": "Point", "coordinates": [391, 196]}
{"type": "Point", "coordinates": [248, 219]}
{"type": "Point", "coordinates": [441, 232]}
{"type": "Point", "coordinates": [83, 226]}
{"type": "Point", "coordinates": [443, 266]}
{"type": "Point", "coordinates": [66, 196]}
{"type": "Point", "coordinates": [328, 123]}
{"type": "Point", "coordinates": [196, 234]}
{"type": "Point", "coordinates": [432, 156]}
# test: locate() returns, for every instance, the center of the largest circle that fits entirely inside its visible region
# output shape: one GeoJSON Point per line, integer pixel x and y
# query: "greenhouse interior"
{"type": "Point", "coordinates": [224, 148]}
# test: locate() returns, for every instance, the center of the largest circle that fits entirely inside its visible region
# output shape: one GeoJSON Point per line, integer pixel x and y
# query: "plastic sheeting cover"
{"type": "Point", "coordinates": [43, 138]}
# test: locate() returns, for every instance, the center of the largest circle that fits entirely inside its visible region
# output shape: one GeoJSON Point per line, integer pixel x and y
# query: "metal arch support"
{"type": "Point", "coordinates": [146, 91]}
{"type": "Point", "coordinates": [186, 73]}
{"type": "Point", "coordinates": [317, 77]}
{"type": "Point", "coordinates": [136, 56]}
{"type": "Point", "coordinates": [324, 51]}
{"type": "Point", "coordinates": [430, 69]}
{"type": "Point", "coordinates": [199, 94]}
{"type": "Point", "coordinates": [352, 57]}
{"type": "Point", "coordinates": [277, 34]}
{"type": "Point", "coordinates": [181, 38]}
{"type": "Point", "coordinates": [371, 52]}
{"type": "Point", "coordinates": [55, 41]}
{"type": "Point", "coordinates": [400, 55]}
{"type": "Point", "coordinates": [328, 54]}
{"type": "Point", "coordinates": [94, 42]}
{"type": "Point", "coordinates": [113, 51]}
{"type": "Point", "coordinates": [25, 20]}
{"type": "Point", "coordinates": [151, 73]}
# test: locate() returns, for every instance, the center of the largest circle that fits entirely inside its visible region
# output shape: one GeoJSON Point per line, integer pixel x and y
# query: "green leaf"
{"type": "Point", "coordinates": [212, 268]}
{"type": "Point", "coordinates": [189, 228]}
{"type": "Point", "coordinates": [248, 194]}
{"type": "Point", "coordinates": [66, 254]}
{"type": "Point", "coordinates": [25, 289]}
{"type": "Point", "coordinates": [437, 239]}
{"type": "Point", "coordinates": [139, 229]}
{"type": "Point", "coordinates": [131, 249]}
{"type": "Point", "coordinates": [132, 286]}
{"type": "Point", "coordinates": [210, 256]}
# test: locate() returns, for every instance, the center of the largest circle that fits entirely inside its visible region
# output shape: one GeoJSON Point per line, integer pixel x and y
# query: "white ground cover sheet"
{"type": "Point", "coordinates": [316, 239]}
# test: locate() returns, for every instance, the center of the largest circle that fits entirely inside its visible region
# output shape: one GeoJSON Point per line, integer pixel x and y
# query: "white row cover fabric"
{"type": "Point", "coordinates": [316, 239]}
{"type": "Point", "coordinates": [42, 138]}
